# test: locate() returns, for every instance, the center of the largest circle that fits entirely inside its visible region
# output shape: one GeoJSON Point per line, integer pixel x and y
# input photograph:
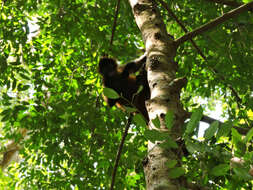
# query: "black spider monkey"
{"type": "Point", "coordinates": [119, 79]}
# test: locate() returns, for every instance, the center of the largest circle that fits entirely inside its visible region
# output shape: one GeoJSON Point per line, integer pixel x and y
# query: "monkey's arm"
{"type": "Point", "coordinates": [135, 65]}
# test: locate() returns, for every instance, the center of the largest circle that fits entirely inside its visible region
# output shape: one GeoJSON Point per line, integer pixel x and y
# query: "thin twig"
{"type": "Point", "coordinates": [115, 21]}
{"type": "Point", "coordinates": [116, 164]}
{"type": "Point", "coordinates": [210, 120]}
{"type": "Point", "coordinates": [182, 26]}
{"type": "Point", "coordinates": [238, 99]}
{"type": "Point", "coordinates": [214, 23]}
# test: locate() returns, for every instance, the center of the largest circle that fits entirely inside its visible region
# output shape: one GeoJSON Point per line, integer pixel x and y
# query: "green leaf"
{"type": "Point", "coordinates": [110, 93]}
{"type": "Point", "coordinates": [14, 83]}
{"type": "Point", "coordinates": [20, 107]}
{"type": "Point", "coordinates": [237, 137]}
{"type": "Point", "coordinates": [156, 122]}
{"type": "Point", "coordinates": [6, 112]}
{"type": "Point", "coordinates": [24, 76]}
{"type": "Point", "coordinates": [220, 170]}
{"type": "Point", "coordinates": [194, 121]}
{"type": "Point", "coordinates": [240, 145]}
{"type": "Point", "coordinates": [23, 87]}
{"type": "Point", "coordinates": [154, 135]}
{"type": "Point", "coordinates": [249, 135]}
{"type": "Point", "coordinates": [171, 163]}
{"type": "Point", "coordinates": [130, 109]}
{"type": "Point", "coordinates": [5, 118]}
{"type": "Point", "coordinates": [8, 84]}
{"type": "Point", "coordinates": [193, 147]}
{"type": "Point", "coordinates": [242, 173]}
{"type": "Point", "coordinates": [176, 172]}
{"type": "Point", "coordinates": [139, 119]}
{"type": "Point", "coordinates": [139, 89]}
{"type": "Point", "coordinates": [169, 118]}
{"type": "Point", "coordinates": [211, 130]}
{"type": "Point", "coordinates": [169, 143]}
{"type": "Point", "coordinates": [15, 63]}
{"type": "Point", "coordinates": [224, 129]}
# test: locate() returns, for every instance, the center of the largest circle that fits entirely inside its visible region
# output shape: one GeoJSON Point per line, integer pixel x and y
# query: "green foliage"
{"type": "Point", "coordinates": [156, 122]}
{"type": "Point", "coordinates": [176, 172]}
{"type": "Point", "coordinates": [138, 118]}
{"type": "Point", "coordinates": [154, 135]}
{"type": "Point", "coordinates": [249, 136]}
{"type": "Point", "coordinates": [169, 119]}
{"type": "Point", "coordinates": [110, 93]}
{"type": "Point", "coordinates": [209, 133]}
{"type": "Point", "coordinates": [224, 129]}
{"type": "Point", "coordinates": [50, 86]}
{"type": "Point", "coordinates": [169, 143]}
{"type": "Point", "coordinates": [220, 170]}
{"type": "Point", "coordinates": [172, 163]}
{"type": "Point", "coordinates": [53, 90]}
{"type": "Point", "coordinates": [194, 120]}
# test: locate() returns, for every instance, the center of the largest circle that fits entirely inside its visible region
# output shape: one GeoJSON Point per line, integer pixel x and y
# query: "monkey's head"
{"type": "Point", "coordinates": [107, 66]}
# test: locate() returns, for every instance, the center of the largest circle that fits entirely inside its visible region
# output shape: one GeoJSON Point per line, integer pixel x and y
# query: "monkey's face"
{"type": "Point", "coordinates": [107, 67]}
{"type": "Point", "coordinates": [111, 70]}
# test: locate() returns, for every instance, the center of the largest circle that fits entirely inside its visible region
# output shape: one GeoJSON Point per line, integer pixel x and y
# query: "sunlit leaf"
{"type": "Point", "coordinates": [249, 135]}
{"type": "Point", "coordinates": [23, 87]}
{"type": "Point", "coordinates": [110, 93]}
{"type": "Point", "coordinates": [211, 130]}
{"type": "Point", "coordinates": [194, 120]}
{"type": "Point", "coordinates": [224, 129]}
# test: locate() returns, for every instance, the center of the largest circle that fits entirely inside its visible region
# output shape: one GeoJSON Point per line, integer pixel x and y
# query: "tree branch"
{"type": "Point", "coordinates": [210, 120]}
{"type": "Point", "coordinates": [116, 164]}
{"type": "Point", "coordinates": [182, 26]}
{"type": "Point", "coordinates": [115, 22]}
{"type": "Point", "coordinates": [214, 23]}
{"type": "Point", "coordinates": [227, 2]}
{"type": "Point", "coordinates": [199, 51]}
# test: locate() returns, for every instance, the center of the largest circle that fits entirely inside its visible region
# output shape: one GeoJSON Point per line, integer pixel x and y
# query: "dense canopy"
{"type": "Point", "coordinates": [49, 86]}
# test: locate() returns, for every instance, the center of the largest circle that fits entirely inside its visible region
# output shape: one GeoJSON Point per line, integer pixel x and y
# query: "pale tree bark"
{"type": "Point", "coordinates": [10, 153]}
{"type": "Point", "coordinates": [165, 90]}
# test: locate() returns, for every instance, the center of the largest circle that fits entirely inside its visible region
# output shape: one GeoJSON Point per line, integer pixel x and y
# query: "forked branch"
{"type": "Point", "coordinates": [214, 23]}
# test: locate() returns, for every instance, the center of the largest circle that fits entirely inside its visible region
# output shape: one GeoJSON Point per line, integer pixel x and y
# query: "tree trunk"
{"type": "Point", "coordinates": [165, 91]}
{"type": "Point", "coordinates": [11, 150]}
